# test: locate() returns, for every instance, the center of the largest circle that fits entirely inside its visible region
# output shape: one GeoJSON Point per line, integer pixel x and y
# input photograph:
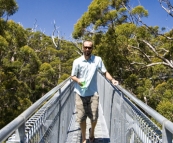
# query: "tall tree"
{"type": "Point", "coordinates": [30, 66]}
{"type": "Point", "coordinates": [139, 54]}
{"type": "Point", "coordinates": [7, 8]}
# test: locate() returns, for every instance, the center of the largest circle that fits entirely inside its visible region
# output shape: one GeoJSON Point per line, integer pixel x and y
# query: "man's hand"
{"type": "Point", "coordinates": [76, 79]}
{"type": "Point", "coordinates": [111, 79]}
{"type": "Point", "coordinates": [81, 83]}
{"type": "Point", "coordinates": [114, 82]}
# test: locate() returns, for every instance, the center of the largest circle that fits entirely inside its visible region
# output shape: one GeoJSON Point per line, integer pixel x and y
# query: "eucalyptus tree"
{"type": "Point", "coordinates": [15, 93]}
{"type": "Point", "coordinates": [152, 56]}
{"type": "Point", "coordinates": [30, 67]}
{"type": "Point", "coordinates": [132, 50]}
{"type": "Point", "coordinates": [7, 8]}
{"type": "Point", "coordinates": [118, 28]}
{"type": "Point", "coordinates": [100, 23]}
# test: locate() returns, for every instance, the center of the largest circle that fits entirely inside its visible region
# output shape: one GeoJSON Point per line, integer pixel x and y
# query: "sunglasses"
{"type": "Point", "coordinates": [88, 47]}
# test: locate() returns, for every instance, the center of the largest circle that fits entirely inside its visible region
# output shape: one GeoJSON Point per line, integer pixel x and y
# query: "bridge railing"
{"type": "Point", "coordinates": [47, 120]}
{"type": "Point", "coordinates": [126, 122]}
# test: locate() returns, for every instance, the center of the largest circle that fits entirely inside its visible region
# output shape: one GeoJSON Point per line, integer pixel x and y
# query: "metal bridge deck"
{"type": "Point", "coordinates": [126, 122]}
{"type": "Point", "coordinates": [101, 132]}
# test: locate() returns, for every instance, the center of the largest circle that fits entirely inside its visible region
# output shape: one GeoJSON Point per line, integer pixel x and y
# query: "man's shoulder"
{"type": "Point", "coordinates": [78, 59]}
{"type": "Point", "coordinates": [97, 57]}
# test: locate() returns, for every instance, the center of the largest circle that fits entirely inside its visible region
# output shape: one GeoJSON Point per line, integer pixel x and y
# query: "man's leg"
{"type": "Point", "coordinates": [83, 130]}
{"type": "Point", "coordinates": [93, 125]}
{"type": "Point", "coordinates": [81, 115]}
{"type": "Point", "coordinates": [93, 114]}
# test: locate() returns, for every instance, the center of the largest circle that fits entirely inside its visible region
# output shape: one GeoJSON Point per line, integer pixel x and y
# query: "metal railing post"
{"type": "Point", "coordinates": [123, 137]}
{"type": "Point", "coordinates": [19, 135]}
{"type": "Point", "coordinates": [59, 115]}
{"type": "Point", "coordinates": [21, 131]}
{"type": "Point", "coordinates": [166, 134]}
{"type": "Point", "coordinates": [132, 136]}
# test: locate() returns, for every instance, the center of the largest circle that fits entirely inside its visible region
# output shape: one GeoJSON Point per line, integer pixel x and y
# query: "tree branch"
{"type": "Point", "coordinates": [79, 50]}
{"type": "Point", "coordinates": [138, 20]}
{"type": "Point", "coordinates": [35, 26]}
{"type": "Point", "coordinates": [148, 57]}
{"type": "Point", "coordinates": [169, 8]}
{"type": "Point", "coordinates": [57, 45]}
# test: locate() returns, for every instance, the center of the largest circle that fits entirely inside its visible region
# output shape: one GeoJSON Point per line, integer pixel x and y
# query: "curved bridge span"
{"type": "Point", "coordinates": [52, 119]}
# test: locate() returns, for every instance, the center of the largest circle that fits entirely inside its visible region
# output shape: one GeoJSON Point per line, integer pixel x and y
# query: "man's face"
{"type": "Point", "coordinates": [87, 48]}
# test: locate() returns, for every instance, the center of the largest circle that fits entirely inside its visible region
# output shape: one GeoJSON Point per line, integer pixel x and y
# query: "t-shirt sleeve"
{"type": "Point", "coordinates": [101, 66]}
{"type": "Point", "coordinates": [74, 69]}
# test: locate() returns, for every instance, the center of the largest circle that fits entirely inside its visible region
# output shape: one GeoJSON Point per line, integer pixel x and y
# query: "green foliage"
{"type": "Point", "coordinates": [135, 54]}
{"type": "Point", "coordinates": [8, 8]}
{"type": "Point", "coordinates": [3, 43]}
{"type": "Point", "coordinates": [165, 108]}
{"type": "Point", "coordinates": [131, 82]}
{"type": "Point", "coordinates": [139, 10]}
{"type": "Point", "coordinates": [62, 78]}
{"type": "Point", "coordinates": [30, 66]}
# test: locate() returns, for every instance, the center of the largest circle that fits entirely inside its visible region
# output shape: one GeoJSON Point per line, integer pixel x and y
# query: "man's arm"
{"type": "Point", "coordinates": [74, 78]}
{"type": "Point", "coordinates": [109, 77]}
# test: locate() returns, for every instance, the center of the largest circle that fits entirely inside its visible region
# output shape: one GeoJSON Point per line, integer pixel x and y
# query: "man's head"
{"type": "Point", "coordinates": [87, 48]}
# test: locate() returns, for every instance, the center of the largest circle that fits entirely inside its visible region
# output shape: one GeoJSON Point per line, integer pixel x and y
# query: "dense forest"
{"type": "Point", "coordinates": [30, 65]}
{"type": "Point", "coordinates": [138, 55]}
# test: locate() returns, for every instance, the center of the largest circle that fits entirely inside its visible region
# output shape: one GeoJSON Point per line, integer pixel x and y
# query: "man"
{"type": "Point", "coordinates": [84, 73]}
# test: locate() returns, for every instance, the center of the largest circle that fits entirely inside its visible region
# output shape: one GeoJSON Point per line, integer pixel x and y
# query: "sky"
{"type": "Point", "coordinates": [65, 13]}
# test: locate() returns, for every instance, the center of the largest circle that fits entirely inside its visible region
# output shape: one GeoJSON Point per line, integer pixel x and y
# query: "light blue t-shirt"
{"type": "Point", "coordinates": [86, 69]}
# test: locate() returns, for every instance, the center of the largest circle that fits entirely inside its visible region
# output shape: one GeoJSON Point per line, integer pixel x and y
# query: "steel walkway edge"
{"type": "Point", "coordinates": [52, 118]}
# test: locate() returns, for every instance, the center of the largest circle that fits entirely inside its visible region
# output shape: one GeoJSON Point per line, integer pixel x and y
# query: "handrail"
{"type": "Point", "coordinates": [158, 117]}
{"type": "Point", "coordinates": [21, 119]}
{"type": "Point", "coordinates": [167, 126]}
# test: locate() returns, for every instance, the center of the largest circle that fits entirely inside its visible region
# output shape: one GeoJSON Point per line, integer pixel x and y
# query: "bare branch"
{"type": "Point", "coordinates": [137, 63]}
{"type": "Point", "coordinates": [158, 63]}
{"type": "Point", "coordinates": [157, 34]}
{"type": "Point", "coordinates": [138, 20]}
{"type": "Point", "coordinates": [168, 7]}
{"type": "Point", "coordinates": [57, 45]}
{"type": "Point", "coordinates": [132, 18]}
{"type": "Point", "coordinates": [42, 31]}
{"type": "Point", "coordinates": [148, 57]}
{"type": "Point", "coordinates": [151, 47]}
{"type": "Point", "coordinates": [165, 51]}
{"type": "Point", "coordinates": [79, 50]}
{"type": "Point", "coordinates": [165, 61]}
{"type": "Point", "coordinates": [35, 26]}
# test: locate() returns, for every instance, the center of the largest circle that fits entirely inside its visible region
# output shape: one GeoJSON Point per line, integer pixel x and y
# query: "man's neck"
{"type": "Point", "coordinates": [87, 57]}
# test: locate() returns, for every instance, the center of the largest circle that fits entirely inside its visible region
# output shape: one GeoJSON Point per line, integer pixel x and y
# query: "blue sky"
{"type": "Point", "coordinates": [67, 12]}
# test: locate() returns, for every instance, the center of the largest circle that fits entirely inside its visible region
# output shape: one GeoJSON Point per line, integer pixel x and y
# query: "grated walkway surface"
{"type": "Point", "coordinates": [101, 132]}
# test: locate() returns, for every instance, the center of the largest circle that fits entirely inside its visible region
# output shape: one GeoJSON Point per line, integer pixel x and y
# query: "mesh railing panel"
{"type": "Point", "coordinates": [126, 123]}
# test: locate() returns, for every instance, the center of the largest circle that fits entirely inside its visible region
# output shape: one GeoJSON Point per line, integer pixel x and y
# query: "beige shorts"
{"type": "Point", "coordinates": [87, 107]}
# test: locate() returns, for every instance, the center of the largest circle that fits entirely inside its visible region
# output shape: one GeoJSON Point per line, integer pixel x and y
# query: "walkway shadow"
{"type": "Point", "coordinates": [100, 140]}
{"type": "Point", "coordinates": [73, 130]}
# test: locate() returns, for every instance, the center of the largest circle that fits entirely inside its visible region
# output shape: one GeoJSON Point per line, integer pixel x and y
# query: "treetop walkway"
{"type": "Point", "coordinates": [122, 119]}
